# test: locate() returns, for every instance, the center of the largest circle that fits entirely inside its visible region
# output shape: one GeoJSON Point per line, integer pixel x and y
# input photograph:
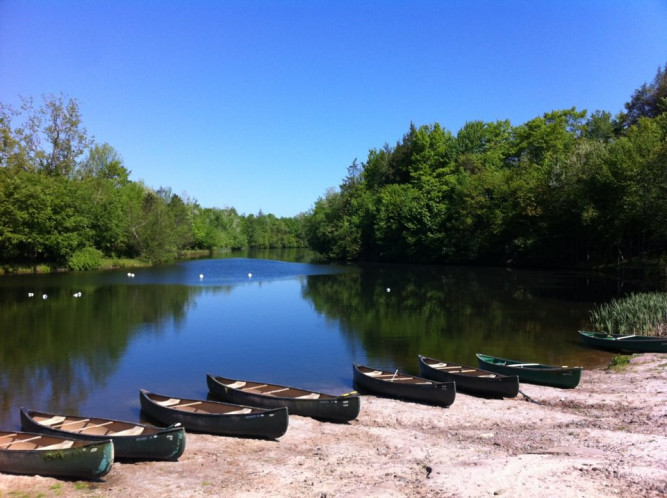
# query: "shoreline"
{"type": "Point", "coordinates": [607, 437]}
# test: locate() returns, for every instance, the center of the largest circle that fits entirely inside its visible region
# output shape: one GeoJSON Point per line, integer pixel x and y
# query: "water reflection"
{"type": "Point", "coordinates": [397, 312]}
{"type": "Point", "coordinates": [293, 323]}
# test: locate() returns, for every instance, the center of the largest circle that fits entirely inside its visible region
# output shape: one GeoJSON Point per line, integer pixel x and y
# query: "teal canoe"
{"type": "Point", "coordinates": [533, 373]}
{"type": "Point", "coordinates": [38, 454]}
{"type": "Point", "coordinates": [630, 343]}
{"type": "Point", "coordinates": [131, 441]}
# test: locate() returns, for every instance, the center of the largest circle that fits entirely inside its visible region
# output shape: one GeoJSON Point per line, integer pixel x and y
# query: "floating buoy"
{"type": "Point", "coordinates": [77, 294]}
{"type": "Point", "coordinates": [31, 294]}
{"type": "Point", "coordinates": [388, 289]}
{"type": "Point", "coordinates": [44, 296]}
{"type": "Point", "coordinates": [249, 275]}
{"type": "Point", "coordinates": [201, 276]}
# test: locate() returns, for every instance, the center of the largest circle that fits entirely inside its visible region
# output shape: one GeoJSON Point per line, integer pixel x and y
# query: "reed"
{"type": "Point", "coordinates": [642, 313]}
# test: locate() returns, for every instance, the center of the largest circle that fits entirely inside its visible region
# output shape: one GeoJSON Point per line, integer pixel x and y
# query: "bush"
{"type": "Point", "coordinates": [644, 314]}
{"type": "Point", "coordinates": [84, 259]}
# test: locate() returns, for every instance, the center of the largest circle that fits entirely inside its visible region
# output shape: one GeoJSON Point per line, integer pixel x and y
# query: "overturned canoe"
{"type": "Point", "coordinates": [630, 343]}
{"type": "Point", "coordinates": [131, 441]}
{"type": "Point", "coordinates": [38, 454]}
{"type": "Point", "coordinates": [403, 386]}
{"type": "Point", "coordinates": [532, 373]}
{"type": "Point", "coordinates": [214, 417]}
{"type": "Point", "coordinates": [298, 401]}
{"type": "Point", "coordinates": [470, 380]}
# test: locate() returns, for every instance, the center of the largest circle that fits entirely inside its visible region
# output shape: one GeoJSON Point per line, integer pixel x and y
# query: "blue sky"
{"type": "Point", "coordinates": [264, 104]}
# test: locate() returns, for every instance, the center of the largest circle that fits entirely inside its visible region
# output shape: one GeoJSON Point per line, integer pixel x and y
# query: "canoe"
{"type": "Point", "coordinates": [532, 373]}
{"type": "Point", "coordinates": [470, 380]}
{"type": "Point", "coordinates": [214, 417]}
{"type": "Point", "coordinates": [403, 386]}
{"type": "Point", "coordinates": [38, 454]}
{"type": "Point", "coordinates": [625, 342]}
{"type": "Point", "coordinates": [130, 440]}
{"type": "Point", "coordinates": [297, 401]}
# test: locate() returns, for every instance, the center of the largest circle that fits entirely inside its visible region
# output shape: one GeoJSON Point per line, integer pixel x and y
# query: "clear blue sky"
{"type": "Point", "coordinates": [264, 104]}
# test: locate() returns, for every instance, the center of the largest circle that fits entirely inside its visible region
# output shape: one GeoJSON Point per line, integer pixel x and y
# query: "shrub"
{"type": "Point", "coordinates": [84, 259]}
{"type": "Point", "coordinates": [644, 313]}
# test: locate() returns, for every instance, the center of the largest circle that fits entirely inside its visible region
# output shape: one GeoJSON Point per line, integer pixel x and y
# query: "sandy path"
{"type": "Point", "coordinates": [608, 437]}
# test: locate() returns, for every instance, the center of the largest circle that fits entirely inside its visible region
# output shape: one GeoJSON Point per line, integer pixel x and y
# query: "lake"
{"type": "Point", "coordinates": [288, 322]}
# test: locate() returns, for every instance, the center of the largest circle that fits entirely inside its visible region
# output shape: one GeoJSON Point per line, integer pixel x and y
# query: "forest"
{"type": "Point", "coordinates": [68, 202]}
{"type": "Point", "coordinates": [565, 189]}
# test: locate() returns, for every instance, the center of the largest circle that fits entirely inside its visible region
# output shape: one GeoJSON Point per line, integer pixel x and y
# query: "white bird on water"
{"type": "Point", "coordinates": [31, 294]}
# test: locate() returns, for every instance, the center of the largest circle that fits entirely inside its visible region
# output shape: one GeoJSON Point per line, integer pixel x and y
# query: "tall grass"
{"type": "Point", "coordinates": [644, 314]}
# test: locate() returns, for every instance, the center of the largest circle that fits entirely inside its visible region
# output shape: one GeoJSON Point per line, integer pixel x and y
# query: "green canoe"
{"type": "Point", "coordinates": [37, 454]}
{"type": "Point", "coordinates": [532, 373]}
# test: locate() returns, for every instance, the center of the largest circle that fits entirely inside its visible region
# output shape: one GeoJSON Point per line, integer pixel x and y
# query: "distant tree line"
{"type": "Point", "coordinates": [566, 188]}
{"type": "Point", "coordinates": [67, 201]}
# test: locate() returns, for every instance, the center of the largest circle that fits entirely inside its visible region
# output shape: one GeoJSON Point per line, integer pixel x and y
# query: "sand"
{"type": "Point", "coordinates": [607, 437]}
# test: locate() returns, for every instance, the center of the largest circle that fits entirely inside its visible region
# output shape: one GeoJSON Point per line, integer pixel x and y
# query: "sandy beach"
{"type": "Point", "coordinates": [607, 437]}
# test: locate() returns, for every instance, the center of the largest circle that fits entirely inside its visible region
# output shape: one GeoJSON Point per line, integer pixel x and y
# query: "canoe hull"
{"type": "Point", "coordinates": [545, 375]}
{"type": "Point", "coordinates": [165, 444]}
{"type": "Point", "coordinates": [334, 409]}
{"type": "Point", "coordinates": [501, 386]}
{"type": "Point", "coordinates": [433, 393]}
{"type": "Point", "coordinates": [624, 344]}
{"type": "Point", "coordinates": [86, 460]}
{"type": "Point", "coordinates": [265, 424]}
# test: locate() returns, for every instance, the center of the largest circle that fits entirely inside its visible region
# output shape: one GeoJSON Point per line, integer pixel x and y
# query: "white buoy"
{"type": "Point", "coordinates": [44, 296]}
{"type": "Point", "coordinates": [249, 275]}
{"type": "Point", "coordinates": [201, 276]}
{"type": "Point", "coordinates": [77, 294]}
{"type": "Point", "coordinates": [31, 294]}
{"type": "Point", "coordinates": [388, 289]}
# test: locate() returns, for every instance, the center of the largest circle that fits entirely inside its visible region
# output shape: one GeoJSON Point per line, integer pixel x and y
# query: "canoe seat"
{"type": "Point", "coordinates": [524, 365]}
{"type": "Point", "coordinates": [438, 365]}
{"type": "Point", "coordinates": [626, 336]}
{"type": "Point", "coordinates": [489, 375]}
{"type": "Point", "coordinates": [468, 371]}
{"type": "Point", "coordinates": [276, 390]}
{"type": "Point", "coordinates": [132, 431]}
{"type": "Point", "coordinates": [58, 446]}
{"type": "Point", "coordinates": [237, 385]}
{"type": "Point", "coordinates": [242, 411]}
{"type": "Point", "coordinates": [169, 402]}
{"type": "Point", "coordinates": [374, 373]}
{"type": "Point", "coordinates": [53, 420]}
{"type": "Point", "coordinates": [309, 396]}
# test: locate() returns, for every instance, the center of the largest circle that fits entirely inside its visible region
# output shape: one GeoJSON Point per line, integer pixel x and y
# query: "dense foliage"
{"type": "Point", "coordinates": [67, 201]}
{"type": "Point", "coordinates": [565, 188]}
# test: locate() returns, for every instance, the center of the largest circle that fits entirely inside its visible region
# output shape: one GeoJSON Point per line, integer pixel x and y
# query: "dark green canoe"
{"type": "Point", "coordinates": [37, 454]}
{"type": "Point", "coordinates": [214, 417]}
{"type": "Point", "coordinates": [131, 440]}
{"type": "Point", "coordinates": [629, 343]}
{"type": "Point", "coordinates": [403, 386]}
{"type": "Point", "coordinates": [532, 373]}
{"type": "Point", "coordinates": [302, 402]}
{"type": "Point", "coordinates": [469, 380]}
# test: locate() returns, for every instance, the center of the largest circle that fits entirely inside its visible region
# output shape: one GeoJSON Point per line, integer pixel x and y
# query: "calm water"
{"type": "Point", "coordinates": [292, 323]}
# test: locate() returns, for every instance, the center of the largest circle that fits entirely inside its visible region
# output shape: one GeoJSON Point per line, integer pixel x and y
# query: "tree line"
{"type": "Point", "coordinates": [67, 201]}
{"type": "Point", "coordinates": [566, 188]}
